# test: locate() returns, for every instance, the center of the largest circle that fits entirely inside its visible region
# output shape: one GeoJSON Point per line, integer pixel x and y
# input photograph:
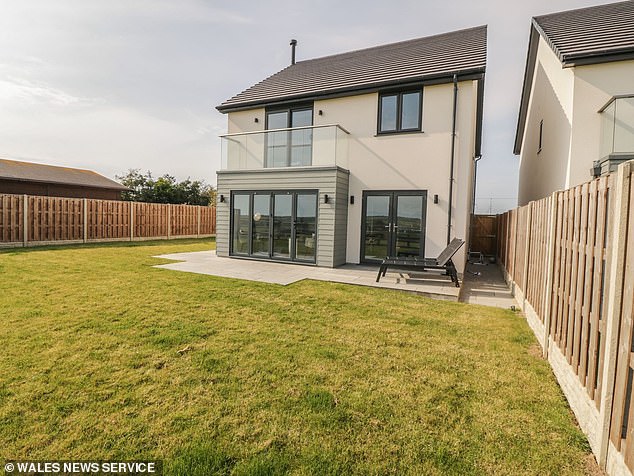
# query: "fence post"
{"type": "Point", "coordinates": [615, 263]}
{"type": "Point", "coordinates": [527, 253]}
{"type": "Point", "coordinates": [25, 219]}
{"type": "Point", "coordinates": [198, 230]}
{"type": "Point", "coordinates": [550, 269]}
{"type": "Point", "coordinates": [85, 230]}
{"type": "Point", "coordinates": [169, 221]}
{"type": "Point", "coordinates": [131, 221]}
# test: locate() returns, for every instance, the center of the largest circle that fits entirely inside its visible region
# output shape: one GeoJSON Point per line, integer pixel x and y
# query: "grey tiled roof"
{"type": "Point", "coordinates": [586, 34]}
{"type": "Point", "coordinates": [32, 172]}
{"type": "Point", "coordinates": [436, 56]}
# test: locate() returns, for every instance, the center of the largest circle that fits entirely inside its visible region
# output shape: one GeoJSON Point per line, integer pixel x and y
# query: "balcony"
{"type": "Point", "coordinates": [617, 135]}
{"type": "Point", "coordinates": [310, 146]}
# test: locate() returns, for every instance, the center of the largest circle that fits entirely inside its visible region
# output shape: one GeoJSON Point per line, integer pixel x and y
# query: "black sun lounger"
{"type": "Point", "coordinates": [421, 264]}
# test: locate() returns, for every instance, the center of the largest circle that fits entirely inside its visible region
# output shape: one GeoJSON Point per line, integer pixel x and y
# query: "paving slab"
{"type": "Point", "coordinates": [207, 262]}
{"type": "Point", "coordinates": [484, 284]}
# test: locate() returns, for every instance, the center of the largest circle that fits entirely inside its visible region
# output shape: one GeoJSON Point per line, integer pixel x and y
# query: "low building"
{"type": "Point", "coordinates": [576, 117]}
{"type": "Point", "coordinates": [28, 178]}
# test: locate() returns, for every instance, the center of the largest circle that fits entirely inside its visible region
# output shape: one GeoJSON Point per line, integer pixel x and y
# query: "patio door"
{"type": "Point", "coordinates": [393, 224]}
{"type": "Point", "coordinates": [280, 225]}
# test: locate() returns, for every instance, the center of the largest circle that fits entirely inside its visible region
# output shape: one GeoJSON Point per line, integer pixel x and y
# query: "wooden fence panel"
{"type": "Point", "coordinates": [207, 220]}
{"type": "Point", "coordinates": [11, 218]}
{"type": "Point", "coordinates": [108, 220]}
{"type": "Point", "coordinates": [538, 241]}
{"type": "Point", "coordinates": [150, 220]}
{"type": "Point", "coordinates": [54, 219]}
{"type": "Point", "coordinates": [184, 220]}
{"type": "Point", "coordinates": [484, 230]}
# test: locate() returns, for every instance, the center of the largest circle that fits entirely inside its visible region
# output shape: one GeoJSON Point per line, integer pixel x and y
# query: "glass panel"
{"type": "Point", "coordinates": [260, 227]}
{"type": "Point", "coordinates": [240, 232]}
{"type": "Point", "coordinates": [410, 111]}
{"type": "Point", "coordinates": [301, 148]}
{"type": "Point", "coordinates": [388, 113]}
{"type": "Point", "coordinates": [377, 220]}
{"type": "Point", "coordinates": [607, 130]}
{"type": "Point", "coordinates": [409, 225]}
{"type": "Point", "coordinates": [301, 141]}
{"type": "Point", "coordinates": [277, 120]}
{"type": "Point", "coordinates": [624, 125]}
{"type": "Point", "coordinates": [277, 142]}
{"type": "Point", "coordinates": [282, 225]}
{"type": "Point", "coordinates": [306, 226]}
{"type": "Point", "coordinates": [303, 117]}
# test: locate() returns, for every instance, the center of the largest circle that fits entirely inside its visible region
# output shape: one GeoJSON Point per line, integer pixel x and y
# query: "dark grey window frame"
{"type": "Point", "coordinates": [251, 193]}
{"type": "Point", "coordinates": [393, 193]}
{"type": "Point", "coordinates": [399, 111]}
{"type": "Point", "coordinates": [289, 108]}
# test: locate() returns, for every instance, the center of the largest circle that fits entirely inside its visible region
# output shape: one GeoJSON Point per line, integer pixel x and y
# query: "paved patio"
{"type": "Point", "coordinates": [433, 285]}
{"type": "Point", "coordinates": [483, 284]}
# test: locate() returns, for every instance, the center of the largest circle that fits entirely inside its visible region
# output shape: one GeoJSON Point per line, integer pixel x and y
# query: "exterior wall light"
{"type": "Point", "coordinates": [222, 198]}
{"type": "Point", "coordinates": [351, 199]}
{"type": "Point", "coordinates": [256, 120]}
{"type": "Point", "coordinates": [326, 198]}
{"type": "Point", "coordinates": [436, 199]}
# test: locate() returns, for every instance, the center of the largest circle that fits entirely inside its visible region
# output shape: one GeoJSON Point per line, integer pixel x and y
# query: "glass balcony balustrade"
{"type": "Point", "coordinates": [310, 146]}
{"type": "Point", "coordinates": [617, 123]}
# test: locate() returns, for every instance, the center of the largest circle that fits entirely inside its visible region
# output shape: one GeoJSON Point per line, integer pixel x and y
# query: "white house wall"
{"type": "Point", "coordinates": [594, 85]}
{"type": "Point", "coordinates": [551, 100]}
{"type": "Point", "coordinates": [410, 161]}
{"type": "Point", "coordinates": [568, 101]}
{"type": "Point", "coordinates": [413, 161]}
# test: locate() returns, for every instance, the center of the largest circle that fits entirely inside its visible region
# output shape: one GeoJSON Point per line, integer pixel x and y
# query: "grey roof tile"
{"type": "Point", "coordinates": [407, 61]}
{"type": "Point", "coordinates": [589, 33]}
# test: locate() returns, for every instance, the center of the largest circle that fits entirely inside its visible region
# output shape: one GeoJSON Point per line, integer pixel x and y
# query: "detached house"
{"type": "Point", "coordinates": [353, 157]}
{"type": "Point", "coordinates": [576, 116]}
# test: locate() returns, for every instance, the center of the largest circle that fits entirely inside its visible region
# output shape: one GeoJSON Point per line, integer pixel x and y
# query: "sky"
{"type": "Point", "coordinates": [133, 84]}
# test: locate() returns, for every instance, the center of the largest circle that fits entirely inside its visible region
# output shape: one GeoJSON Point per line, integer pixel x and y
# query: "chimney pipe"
{"type": "Point", "coordinates": [293, 45]}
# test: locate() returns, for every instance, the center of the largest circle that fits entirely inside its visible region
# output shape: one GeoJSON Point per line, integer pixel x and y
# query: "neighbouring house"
{"type": "Point", "coordinates": [357, 156]}
{"type": "Point", "coordinates": [576, 118]}
{"type": "Point", "coordinates": [29, 178]}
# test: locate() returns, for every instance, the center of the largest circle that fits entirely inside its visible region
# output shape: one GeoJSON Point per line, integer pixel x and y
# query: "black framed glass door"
{"type": "Point", "coordinates": [393, 224]}
{"type": "Point", "coordinates": [279, 225]}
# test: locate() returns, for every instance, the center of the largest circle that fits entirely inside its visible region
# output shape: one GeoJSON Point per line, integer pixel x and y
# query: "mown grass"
{"type": "Point", "coordinates": [106, 357]}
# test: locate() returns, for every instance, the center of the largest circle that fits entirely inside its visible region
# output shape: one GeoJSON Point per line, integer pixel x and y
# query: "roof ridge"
{"type": "Point", "coordinates": [387, 45]}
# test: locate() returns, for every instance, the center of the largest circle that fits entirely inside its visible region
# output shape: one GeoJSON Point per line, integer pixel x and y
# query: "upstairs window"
{"type": "Point", "coordinates": [400, 112]}
{"type": "Point", "coordinates": [289, 148]}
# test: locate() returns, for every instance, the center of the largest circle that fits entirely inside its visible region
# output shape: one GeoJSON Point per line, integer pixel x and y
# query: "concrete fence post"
{"type": "Point", "coordinates": [25, 220]}
{"type": "Point", "coordinates": [169, 221]}
{"type": "Point", "coordinates": [131, 221]}
{"type": "Point", "coordinates": [85, 224]}
{"type": "Point", "coordinates": [615, 263]}
{"type": "Point", "coordinates": [198, 229]}
{"type": "Point", "coordinates": [527, 253]}
{"type": "Point", "coordinates": [550, 270]}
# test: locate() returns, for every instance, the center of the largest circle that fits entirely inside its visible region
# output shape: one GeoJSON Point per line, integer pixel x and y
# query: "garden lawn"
{"type": "Point", "coordinates": [106, 357]}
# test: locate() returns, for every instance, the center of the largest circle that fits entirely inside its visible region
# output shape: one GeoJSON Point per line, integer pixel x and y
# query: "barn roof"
{"type": "Point", "coordinates": [31, 172]}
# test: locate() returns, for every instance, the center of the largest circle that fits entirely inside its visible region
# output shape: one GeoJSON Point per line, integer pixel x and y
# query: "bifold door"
{"type": "Point", "coordinates": [393, 224]}
{"type": "Point", "coordinates": [274, 225]}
